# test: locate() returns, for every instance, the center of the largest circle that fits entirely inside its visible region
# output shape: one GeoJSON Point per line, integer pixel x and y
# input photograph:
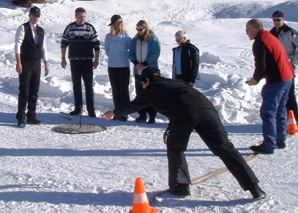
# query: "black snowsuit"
{"type": "Point", "coordinates": [188, 109]}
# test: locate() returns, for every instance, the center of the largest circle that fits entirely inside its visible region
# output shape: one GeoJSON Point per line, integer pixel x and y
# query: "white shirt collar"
{"type": "Point", "coordinates": [32, 25]}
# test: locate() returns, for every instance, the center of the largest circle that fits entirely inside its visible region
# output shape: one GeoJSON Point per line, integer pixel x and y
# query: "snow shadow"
{"type": "Point", "coordinates": [117, 198]}
{"type": "Point", "coordinates": [9, 119]}
{"type": "Point", "coordinates": [98, 153]}
{"type": "Point", "coordinates": [172, 201]}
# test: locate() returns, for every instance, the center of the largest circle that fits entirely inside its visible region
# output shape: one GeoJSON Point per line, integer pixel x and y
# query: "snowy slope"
{"type": "Point", "coordinates": [44, 171]}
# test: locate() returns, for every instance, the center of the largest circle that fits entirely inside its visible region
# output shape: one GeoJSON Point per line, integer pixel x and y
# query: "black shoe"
{"type": "Point", "coordinates": [141, 119]}
{"type": "Point", "coordinates": [180, 189]}
{"type": "Point", "coordinates": [151, 121]}
{"type": "Point", "coordinates": [92, 114]}
{"type": "Point", "coordinates": [280, 144]}
{"type": "Point", "coordinates": [34, 121]}
{"type": "Point", "coordinates": [261, 149]}
{"type": "Point", "coordinates": [257, 193]}
{"type": "Point", "coordinates": [75, 112]}
{"type": "Point", "coordinates": [123, 118]}
{"type": "Point", "coordinates": [21, 124]}
{"type": "Point", "coordinates": [115, 118]}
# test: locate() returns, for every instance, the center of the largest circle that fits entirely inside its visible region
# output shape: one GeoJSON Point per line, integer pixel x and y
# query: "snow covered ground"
{"type": "Point", "coordinates": [45, 171]}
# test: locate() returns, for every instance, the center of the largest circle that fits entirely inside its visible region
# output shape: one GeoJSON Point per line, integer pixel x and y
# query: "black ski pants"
{"type": "Point", "coordinates": [292, 103]}
{"type": "Point", "coordinates": [208, 125]}
{"type": "Point", "coordinates": [29, 82]}
{"type": "Point", "coordinates": [82, 69]}
{"type": "Point", "coordinates": [152, 112]}
{"type": "Point", "coordinates": [119, 79]}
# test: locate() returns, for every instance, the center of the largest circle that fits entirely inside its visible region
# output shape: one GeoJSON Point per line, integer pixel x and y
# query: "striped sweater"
{"type": "Point", "coordinates": [81, 41]}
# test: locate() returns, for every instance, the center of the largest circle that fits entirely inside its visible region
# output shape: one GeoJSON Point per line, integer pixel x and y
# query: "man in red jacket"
{"type": "Point", "coordinates": [271, 63]}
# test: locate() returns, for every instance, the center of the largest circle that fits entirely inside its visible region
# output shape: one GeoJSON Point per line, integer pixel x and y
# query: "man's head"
{"type": "Point", "coordinates": [180, 37]}
{"type": "Point", "coordinates": [253, 27]}
{"type": "Point", "coordinates": [34, 15]}
{"type": "Point", "coordinates": [148, 75]}
{"type": "Point", "coordinates": [80, 15]}
{"type": "Point", "coordinates": [278, 19]}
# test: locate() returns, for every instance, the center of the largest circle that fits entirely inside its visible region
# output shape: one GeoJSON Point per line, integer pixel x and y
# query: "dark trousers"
{"type": "Point", "coordinates": [292, 103]}
{"type": "Point", "coordinates": [82, 69]}
{"type": "Point", "coordinates": [208, 125]}
{"type": "Point", "coordinates": [29, 82]}
{"type": "Point", "coordinates": [152, 112]}
{"type": "Point", "coordinates": [119, 79]}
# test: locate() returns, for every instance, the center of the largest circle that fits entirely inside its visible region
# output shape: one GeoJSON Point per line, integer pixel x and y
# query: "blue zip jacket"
{"type": "Point", "coordinates": [153, 53]}
{"type": "Point", "coordinates": [117, 50]}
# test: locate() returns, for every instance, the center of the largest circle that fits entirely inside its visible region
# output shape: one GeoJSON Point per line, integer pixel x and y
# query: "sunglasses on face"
{"type": "Point", "coordinates": [140, 29]}
{"type": "Point", "coordinates": [118, 22]}
{"type": "Point", "coordinates": [277, 20]}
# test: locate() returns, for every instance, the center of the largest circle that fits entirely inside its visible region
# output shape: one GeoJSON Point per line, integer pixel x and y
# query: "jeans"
{"type": "Point", "coordinates": [274, 113]}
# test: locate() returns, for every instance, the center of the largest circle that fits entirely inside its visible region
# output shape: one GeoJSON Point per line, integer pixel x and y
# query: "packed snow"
{"type": "Point", "coordinates": [45, 171]}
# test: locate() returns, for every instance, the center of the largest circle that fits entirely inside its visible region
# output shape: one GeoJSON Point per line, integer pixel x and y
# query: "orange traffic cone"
{"type": "Point", "coordinates": [292, 126]}
{"type": "Point", "coordinates": [140, 200]}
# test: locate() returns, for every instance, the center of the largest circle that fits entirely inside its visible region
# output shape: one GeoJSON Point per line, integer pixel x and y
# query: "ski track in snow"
{"type": "Point", "coordinates": [45, 171]}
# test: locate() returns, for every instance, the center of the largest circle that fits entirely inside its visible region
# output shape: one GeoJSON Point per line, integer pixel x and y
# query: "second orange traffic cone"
{"type": "Point", "coordinates": [292, 125]}
{"type": "Point", "coordinates": [140, 200]}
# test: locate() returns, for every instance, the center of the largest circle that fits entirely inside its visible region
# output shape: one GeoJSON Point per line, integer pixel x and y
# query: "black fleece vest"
{"type": "Point", "coordinates": [30, 51]}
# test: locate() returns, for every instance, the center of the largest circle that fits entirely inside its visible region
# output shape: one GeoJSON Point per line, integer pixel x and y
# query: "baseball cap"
{"type": "Point", "coordinates": [114, 18]}
{"type": "Point", "coordinates": [277, 14]}
{"type": "Point", "coordinates": [35, 11]}
{"type": "Point", "coordinates": [149, 72]}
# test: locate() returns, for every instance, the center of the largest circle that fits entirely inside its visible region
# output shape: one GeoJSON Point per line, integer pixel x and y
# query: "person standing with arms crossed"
{"type": "Point", "coordinates": [81, 38]}
{"type": "Point", "coordinates": [30, 48]}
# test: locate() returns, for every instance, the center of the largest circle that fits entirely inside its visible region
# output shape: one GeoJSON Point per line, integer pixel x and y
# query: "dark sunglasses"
{"type": "Point", "coordinates": [140, 29]}
{"type": "Point", "coordinates": [118, 22]}
{"type": "Point", "coordinates": [277, 20]}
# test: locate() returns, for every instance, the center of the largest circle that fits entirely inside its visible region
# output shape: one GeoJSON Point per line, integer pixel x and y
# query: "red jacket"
{"type": "Point", "coordinates": [271, 61]}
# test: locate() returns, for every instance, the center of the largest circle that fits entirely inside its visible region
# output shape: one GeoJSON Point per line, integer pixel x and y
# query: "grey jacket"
{"type": "Point", "coordinates": [289, 39]}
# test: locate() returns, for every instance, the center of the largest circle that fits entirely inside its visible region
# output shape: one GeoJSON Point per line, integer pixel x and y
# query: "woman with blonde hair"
{"type": "Point", "coordinates": [117, 44]}
{"type": "Point", "coordinates": [144, 52]}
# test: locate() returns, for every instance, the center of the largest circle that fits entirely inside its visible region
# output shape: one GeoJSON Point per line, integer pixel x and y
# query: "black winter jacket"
{"type": "Point", "coordinates": [173, 98]}
{"type": "Point", "coordinates": [189, 62]}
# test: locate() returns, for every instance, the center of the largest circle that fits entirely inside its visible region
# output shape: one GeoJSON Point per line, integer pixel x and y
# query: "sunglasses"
{"type": "Point", "coordinates": [118, 22]}
{"type": "Point", "coordinates": [140, 29]}
{"type": "Point", "coordinates": [277, 20]}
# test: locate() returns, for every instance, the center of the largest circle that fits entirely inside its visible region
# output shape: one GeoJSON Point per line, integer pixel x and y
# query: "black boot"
{"type": "Point", "coordinates": [180, 189]}
{"type": "Point", "coordinates": [257, 193]}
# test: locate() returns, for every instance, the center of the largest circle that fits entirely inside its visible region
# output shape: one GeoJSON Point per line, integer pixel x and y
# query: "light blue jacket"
{"type": "Point", "coordinates": [153, 53]}
{"type": "Point", "coordinates": [117, 50]}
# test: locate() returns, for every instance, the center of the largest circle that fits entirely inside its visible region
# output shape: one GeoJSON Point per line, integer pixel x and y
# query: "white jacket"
{"type": "Point", "coordinates": [289, 39]}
